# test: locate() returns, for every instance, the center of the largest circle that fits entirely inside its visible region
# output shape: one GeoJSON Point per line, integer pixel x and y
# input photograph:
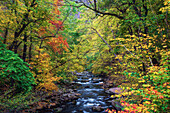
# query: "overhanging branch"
{"type": "Point", "coordinates": [106, 44]}
{"type": "Point", "coordinates": [104, 13]}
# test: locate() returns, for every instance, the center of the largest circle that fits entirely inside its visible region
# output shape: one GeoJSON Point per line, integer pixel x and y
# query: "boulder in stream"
{"type": "Point", "coordinates": [96, 81]}
{"type": "Point", "coordinates": [53, 105]}
{"type": "Point", "coordinates": [116, 105]}
{"type": "Point", "coordinates": [87, 86]}
{"type": "Point", "coordinates": [58, 109]}
{"type": "Point", "coordinates": [97, 108]}
{"type": "Point", "coordinates": [84, 80]}
{"type": "Point", "coordinates": [41, 105]}
{"type": "Point", "coordinates": [115, 90]}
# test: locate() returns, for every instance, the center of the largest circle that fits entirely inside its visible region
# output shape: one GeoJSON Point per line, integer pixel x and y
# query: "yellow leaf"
{"type": "Point", "coordinates": [141, 81]}
{"type": "Point", "coordinates": [36, 56]}
{"type": "Point", "coordinates": [164, 46]}
{"type": "Point", "coordinates": [146, 85]}
{"type": "Point", "coordinates": [164, 35]}
{"type": "Point", "coordinates": [112, 96]}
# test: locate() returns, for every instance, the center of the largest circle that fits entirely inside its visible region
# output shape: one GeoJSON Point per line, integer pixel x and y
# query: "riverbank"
{"type": "Point", "coordinates": [56, 101]}
{"type": "Point", "coordinates": [111, 86]}
{"type": "Point", "coordinates": [40, 101]}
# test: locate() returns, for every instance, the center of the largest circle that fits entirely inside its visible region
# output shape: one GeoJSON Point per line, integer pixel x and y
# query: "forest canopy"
{"type": "Point", "coordinates": [43, 42]}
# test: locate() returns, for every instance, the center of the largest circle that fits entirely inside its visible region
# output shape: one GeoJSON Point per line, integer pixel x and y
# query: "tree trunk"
{"type": "Point", "coordinates": [30, 49]}
{"type": "Point", "coordinates": [25, 47]}
{"type": "Point", "coordinates": [5, 36]}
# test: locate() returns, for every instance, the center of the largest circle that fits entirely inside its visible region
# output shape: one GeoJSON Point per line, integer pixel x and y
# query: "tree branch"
{"type": "Point", "coordinates": [97, 11]}
{"type": "Point", "coordinates": [130, 51]}
{"type": "Point", "coordinates": [106, 43]}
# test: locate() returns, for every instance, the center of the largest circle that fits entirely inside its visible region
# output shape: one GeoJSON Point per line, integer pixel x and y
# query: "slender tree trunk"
{"type": "Point", "coordinates": [30, 49]}
{"type": "Point", "coordinates": [25, 47]}
{"type": "Point", "coordinates": [41, 44]}
{"type": "Point", "coordinates": [5, 37]}
{"type": "Point", "coordinates": [15, 47]}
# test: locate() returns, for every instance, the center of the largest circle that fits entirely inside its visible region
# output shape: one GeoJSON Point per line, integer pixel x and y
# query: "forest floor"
{"type": "Point", "coordinates": [39, 100]}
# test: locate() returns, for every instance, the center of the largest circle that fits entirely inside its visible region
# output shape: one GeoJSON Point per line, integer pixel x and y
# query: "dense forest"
{"type": "Point", "coordinates": [43, 43]}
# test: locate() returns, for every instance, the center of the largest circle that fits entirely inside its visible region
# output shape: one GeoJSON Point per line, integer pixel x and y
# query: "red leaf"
{"type": "Point", "coordinates": [65, 43]}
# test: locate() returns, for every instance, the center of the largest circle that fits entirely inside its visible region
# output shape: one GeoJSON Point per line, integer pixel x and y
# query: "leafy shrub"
{"type": "Point", "coordinates": [14, 72]}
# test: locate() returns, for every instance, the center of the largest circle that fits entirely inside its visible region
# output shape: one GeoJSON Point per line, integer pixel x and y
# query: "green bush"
{"type": "Point", "coordinates": [14, 72]}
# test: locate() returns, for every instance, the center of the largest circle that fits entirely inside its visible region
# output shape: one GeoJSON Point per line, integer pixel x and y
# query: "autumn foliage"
{"type": "Point", "coordinates": [134, 51]}
{"type": "Point", "coordinates": [126, 40]}
{"type": "Point", "coordinates": [45, 76]}
{"type": "Point", "coordinates": [33, 32]}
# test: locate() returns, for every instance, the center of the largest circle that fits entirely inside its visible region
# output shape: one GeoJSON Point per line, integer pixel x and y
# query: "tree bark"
{"type": "Point", "coordinates": [30, 49]}
{"type": "Point", "coordinates": [5, 36]}
{"type": "Point", "coordinates": [25, 47]}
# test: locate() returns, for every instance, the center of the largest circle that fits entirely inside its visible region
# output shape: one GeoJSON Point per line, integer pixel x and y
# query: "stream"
{"type": "Point", "coordinates": [92, 99]}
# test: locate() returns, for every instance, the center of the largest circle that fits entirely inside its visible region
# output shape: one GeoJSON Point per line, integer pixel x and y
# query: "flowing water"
{"type": "Point", "coordinates": [91, 95]}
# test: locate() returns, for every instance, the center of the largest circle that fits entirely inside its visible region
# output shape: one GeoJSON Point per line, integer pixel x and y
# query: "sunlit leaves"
{"type": "Point", "coordinates": [166, 8]}
{"type": "Point", "coordinates": [44, 73]}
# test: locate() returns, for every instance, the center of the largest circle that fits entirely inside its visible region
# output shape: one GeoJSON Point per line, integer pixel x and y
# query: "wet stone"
{"type": "Point", "coordinates": [74, 102]}
{"type": "Point", "coordinates": [116, 90]}
{"type": "Point", "coordinates": [63, 106]}
{"type": "Point", "coordinates": [75, 90]}
{"type": "Point", "coordinates": [80, 111]}
{"type": "Point", "coordinates": [117, 106]}
{"type": "Point", "coordinates": [84, 77]}
{"type": "Point", "coordinates": [53, 99]}
{"type": "Point", "coordinates": [96, 78]}
{"type": "Point", "coordinates": [96, 81]}
{"type": "Point", "coordinates": [97, 108]}
{"type": "Point", "coordinates": [58, 109]}
{"type": "Point", "coordinates": [91, 95]}
{"type": "Point", "coordinates": [87, 86]}
{"type": "Point", "coordinates": [84, 80]}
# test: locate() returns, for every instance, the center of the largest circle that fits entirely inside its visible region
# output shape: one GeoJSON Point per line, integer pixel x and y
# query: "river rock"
{"type": "Point", "coordinates": [32, 110]}
{"type": "Point", "coordinates": [110, 85]}
{"type": "Point", "coordinates": [48, 97]}
{"type": "Point", "coordinates": [88, 75]}
{"type": "Point", "coordinates": [65, 95]}
{"type": "Point", "coordinates": [101, 84]}
{"type": "Point", "coordinates": [81, 110]}
{"type": "Point", "coordinates": [70, 90]}
{"type": "Point", "coordinates": [41, 105]}
{"type": "Point", "coordinates": [110, 98]}
{"type": "Point", "coordinates": [53, 105]}
{"type": "Point", "coordinates": [75, 90]}
{"type": "Point", "coordinates": [67, 99]}
{"type": "Point", "coordinates": [80, 74]}
{"type": "Point", "coordinates": [117, 106]}
{"type": "Point", "coordinates": [32, 105]}
{"type": "Point", "coordinates": [53, 99]}
{"type": "Point", "coordinates": [84, 77]}
{"type": "Point", "coordinates": [116, 90]}
{"type": "Point", "coordinates": [96, 81]}
{"type": "Point", "coordinates": [58, 109]}
{"type": "Point", "coordinates": [63, 106]}
{"type": "Point", "coordinates": [87, 86]}
{"type": "Point", "coordinates": [96, 78]}
{"type": "Point", "coordinates": [84, 80]}
{"type": "Point", "coordinates": [86, 72]}
{"type": "Point", "coordinates": [75, 84]}
{"type": "Point", "coordinates": [74, 102]}
{"type": "Point", "coordinates": [77, 94]}
{"type": "Point", "coordinates": [109, 92]}
{"type": "Point", "coordinates": [97, 108]}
